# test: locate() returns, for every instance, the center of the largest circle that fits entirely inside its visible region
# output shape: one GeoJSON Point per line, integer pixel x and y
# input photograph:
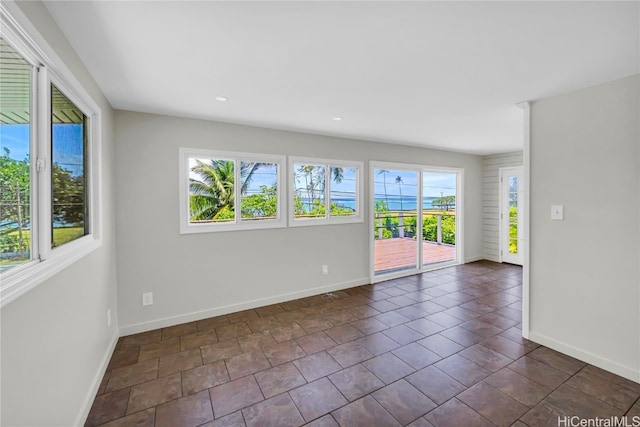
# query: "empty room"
{"type": "Point", "coordinates": [323, 213]}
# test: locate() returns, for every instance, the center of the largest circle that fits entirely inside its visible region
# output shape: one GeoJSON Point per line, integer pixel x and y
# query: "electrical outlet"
{"type": "Point", "coordinates": [147, 299]}
{"type": "Point", "coordinates": [109, 318]}
{"type": "Point", "coordinates": [325, 269]}
{"type": "Point", "coordinates": [557, 212]}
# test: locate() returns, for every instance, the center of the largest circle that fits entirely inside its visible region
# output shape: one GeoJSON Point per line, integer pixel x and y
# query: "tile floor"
{"type": "Point", "coordinates": [443, 348]}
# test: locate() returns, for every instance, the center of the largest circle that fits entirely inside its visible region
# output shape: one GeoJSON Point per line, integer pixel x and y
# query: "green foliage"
{"type": "Point", "coordinates": [390, 224]}
{"type": "Point", "coordinates": [317, 208]}
{"type": "Point", "coordinates": [261, 205]}
{"type": "Point", "coordinates": [381, 206]}
{"type": "Point", "coordinates": [14, 204]}
{"type": "Point", "coordinates": [298, 205]}
{"type": "Point", "coordinates": [68, 204]}
{"type": "Point", "coordinates": [387, 233]}
{"type": "Point", "coordinates": [11, 243]}
{"type": "Point", "coordinates": [513, 230]}
{"type": "Point", "coordinates": [212, 194]}
{"type": "Point", "coordinates": [14, 186]}
{"type": "Point", "coordinates": [410, 226]}
{"type": "Point", "coordinates": [337, 210]}
{"type": "Point", "coordinates": [313, 208]}
{"type": "Point", "coordinates": [68, 196]}
{"type": "Point", "coordinates": [212, 197]}
{"type": "Point", "coordinates": [429, 228]}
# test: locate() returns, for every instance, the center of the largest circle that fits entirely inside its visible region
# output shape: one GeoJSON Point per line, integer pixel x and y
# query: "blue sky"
{"type": "Point", "coordinates": [433, 183]}
{"type": "Point", "coordinates": [266, 175]}
{"type": "Point", "coordinates": [67, 147]}
{"type": "Point", "coordinates": [408, 186]}
{"type": "Point", "coordinates": [16, 139]}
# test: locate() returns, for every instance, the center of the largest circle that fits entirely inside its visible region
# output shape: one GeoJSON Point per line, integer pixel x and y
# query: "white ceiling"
{"type": "Point", "coordinates": [434, 74]}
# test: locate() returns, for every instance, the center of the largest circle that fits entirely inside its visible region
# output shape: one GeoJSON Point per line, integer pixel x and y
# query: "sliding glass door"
{"type": "Point", "coordinates": [439, 191]}
{"type": "Point", "coordinates": [395, 213]}
{"type": "Point", "coordinates": [415, 220]}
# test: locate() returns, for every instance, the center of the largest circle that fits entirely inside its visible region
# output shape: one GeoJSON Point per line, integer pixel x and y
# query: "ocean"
{"type": "Point", "coordinates": [394, 203]}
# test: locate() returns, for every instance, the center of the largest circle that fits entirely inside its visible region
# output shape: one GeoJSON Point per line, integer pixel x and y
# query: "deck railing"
{"type": "Point", "coordinates": [402, 224]}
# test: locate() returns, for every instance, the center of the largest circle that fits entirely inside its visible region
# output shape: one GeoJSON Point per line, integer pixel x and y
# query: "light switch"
{"type": "Point", "coordinates": [557, 212]}
{"type": "Point", "coordinates": [147, 299]}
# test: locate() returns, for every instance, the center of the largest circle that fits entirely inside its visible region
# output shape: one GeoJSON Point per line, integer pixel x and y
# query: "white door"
{"type": "Point", "coordinates": [511, 209]}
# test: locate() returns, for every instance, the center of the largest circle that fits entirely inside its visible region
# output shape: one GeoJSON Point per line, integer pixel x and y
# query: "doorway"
{"type": "Point", "coordinates": [511, 215]}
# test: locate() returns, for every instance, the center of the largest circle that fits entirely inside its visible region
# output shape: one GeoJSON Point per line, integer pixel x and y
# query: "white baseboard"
{"type": "Point", "coordinates": [95, 384]}
{"type": "Point", "coordinates": [586, 356]}
{"type": "Point", "coordinates": [474, 258]}
{"type": "Point", "coordinates": [232, 308]}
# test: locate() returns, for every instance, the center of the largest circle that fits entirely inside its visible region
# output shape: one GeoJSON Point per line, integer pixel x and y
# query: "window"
{"type": "Point", "coordinates": [222, 191]}
{"type": "Point", "coordinates": [317, 184]}
{"type": "Point", "coordinates": [69, 216]}
{"type": "Point", "coordinates": [48, 176]}
{"type": "Point", "coordinates": [15, 165]}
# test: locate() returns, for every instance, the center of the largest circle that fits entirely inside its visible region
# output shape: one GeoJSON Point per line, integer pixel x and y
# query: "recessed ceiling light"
{"type": "Point", "coordinates": [337, 119]}
{"type": "Point", "coordinates": [221, 98]}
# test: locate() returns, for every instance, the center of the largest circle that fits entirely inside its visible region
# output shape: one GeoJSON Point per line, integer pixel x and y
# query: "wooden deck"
{"type": "Point", "coordinates": [400, 253]}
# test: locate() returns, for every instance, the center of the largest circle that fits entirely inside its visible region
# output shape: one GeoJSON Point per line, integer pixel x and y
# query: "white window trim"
{"type": "Point", "coordinates": [328, 219]}
{"type": "Point", "coordinates": [187, 227]}
{"type": "Point", "coordinates": [19, 31]}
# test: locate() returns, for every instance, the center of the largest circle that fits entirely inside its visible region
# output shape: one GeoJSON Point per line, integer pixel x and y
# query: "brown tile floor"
{"type": "Point", "coordinates": [442, 348]}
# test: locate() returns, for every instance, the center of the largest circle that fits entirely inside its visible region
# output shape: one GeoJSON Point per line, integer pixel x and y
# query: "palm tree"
{"type": "Point", "coordinates": [399, 182]}
{"type": "Point", "coordinates": [247, 169]}
{"type": "Point", "coordinates": [310, 184]}
{"type": "Point", "coordinates": [384, 173]}
{"type": "Point", "coordinates": [338, 174]}
{"type": "Point", "coordinates": [213, 195]}
{"type": "Point", "coordinates": [315, 179]}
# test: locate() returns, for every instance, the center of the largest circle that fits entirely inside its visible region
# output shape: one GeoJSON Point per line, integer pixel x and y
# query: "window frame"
{"type": "Point", "coordinates": [328, 219]}
{"type": "Point", "coordinates": [187, 227]}
{"type": "Point", "coordinates": [420, 169]}
{"type": "Point", "coordinates": [47, 69]}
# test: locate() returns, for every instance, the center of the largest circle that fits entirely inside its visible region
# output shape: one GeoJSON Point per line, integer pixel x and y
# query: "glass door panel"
{"type": "Point", "coordinates": [513, 215]}
{"type": "Point", "coordinates": [438, 217]}
{"type": "Point", "coordinates": [510, 215]}
{"type": "Point", "coordinates": [395, 220]}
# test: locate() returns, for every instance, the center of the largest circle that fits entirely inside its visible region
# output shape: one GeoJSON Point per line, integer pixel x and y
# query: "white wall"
{"type": "Point", "coordinates": [195, 276]}
{"type": "Point", "coordinates": [584, 293]}
{"type": "Point", "coordinates": [490, 200]}
{"type": "Point", "coordinates": [55, 340]}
